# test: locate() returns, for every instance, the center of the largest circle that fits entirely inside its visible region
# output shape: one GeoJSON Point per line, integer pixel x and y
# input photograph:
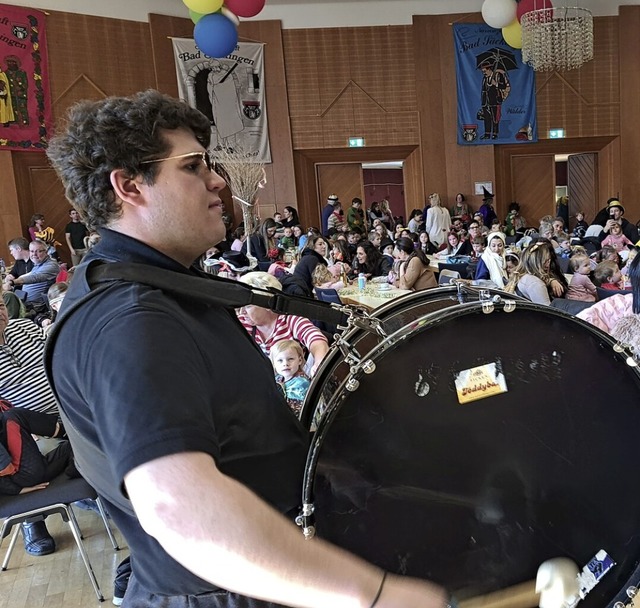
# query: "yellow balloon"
{"type": "Point", "coordinates": [512, 34]}
{"type": "Point", "coordinates": [204, 7]}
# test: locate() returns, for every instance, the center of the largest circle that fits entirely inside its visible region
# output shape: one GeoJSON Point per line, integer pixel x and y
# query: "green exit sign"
{"type": "Point", "coordinates": [356, 142]}
{"type": "Point", "coordinates": [556, 133]}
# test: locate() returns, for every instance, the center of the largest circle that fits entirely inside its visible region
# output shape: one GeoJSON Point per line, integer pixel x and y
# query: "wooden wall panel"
{"type": "Point", "coordinates": [534, 186]}
{"type": "Point", "coordinates": [413, 177]}
{"type": "Point", "coordinates": [346, 82]}
{"type": "Point", "coordinates": [582, 181]}
{"type": "Point", "coordinates": [629, 54]}
{"type": "Point", "coordinates": [10, 219]}
{"type": "Point", "coordinates": [606, 148]}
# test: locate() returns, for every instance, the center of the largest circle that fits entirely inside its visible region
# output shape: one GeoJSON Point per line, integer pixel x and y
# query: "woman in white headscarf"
{"type": "Point", "coordinates": [492, 264]}
{"type": "Point", "coordinates": [438, 221]}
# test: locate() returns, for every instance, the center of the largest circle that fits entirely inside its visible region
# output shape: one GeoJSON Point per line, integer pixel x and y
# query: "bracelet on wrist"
{"type": "Point", "coordinates": [379, 592]}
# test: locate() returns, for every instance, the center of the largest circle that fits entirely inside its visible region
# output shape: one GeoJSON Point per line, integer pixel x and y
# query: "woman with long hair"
{"type": "Point", "coordinates": [532, 278]}
{"type": "Point", "coordinates": [454, 244]}
{"type": "Point", "coordinates": [425, 244]}
{"type": "Point", "coordinates": [370, 261]}
{"type": "Point", "coordinates": [438, 220]}
{"type": "Point", "coordinates": [262, 240]}
{"type": "Point", "coordinates": [316, 252]}
{"type": "Point", "coordinates": [414, 271]}
{"type": "Point", "coordinates": [492, 264]}
{"type": "Point", "coordinates": [290, 217]}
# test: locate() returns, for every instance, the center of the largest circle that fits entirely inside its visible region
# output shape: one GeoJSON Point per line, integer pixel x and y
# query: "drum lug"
{"type": "Point", "coordinates": [368, 367]}
{"type": "Point", "coordinates": [305, 521]}
{"type": "Point", "coordinates": [352, 385]}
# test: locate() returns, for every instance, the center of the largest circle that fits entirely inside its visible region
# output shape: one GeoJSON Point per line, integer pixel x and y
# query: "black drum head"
{"type": "Point", "coordinates": [476, 496]}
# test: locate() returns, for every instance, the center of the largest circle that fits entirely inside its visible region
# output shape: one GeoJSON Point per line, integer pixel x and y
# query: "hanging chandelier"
{"type": "Point", "coordinates": [558, 38]}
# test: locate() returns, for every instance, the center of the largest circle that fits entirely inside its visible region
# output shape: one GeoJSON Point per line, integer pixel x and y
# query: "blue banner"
{"type": "Point", "coordinates": [496, 90]}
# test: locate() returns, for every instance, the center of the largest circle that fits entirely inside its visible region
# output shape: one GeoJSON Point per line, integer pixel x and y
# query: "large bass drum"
{"type": "Point", "coordinates": [476, 495]}
{"type": "Point", "coordinates": [394, 315]}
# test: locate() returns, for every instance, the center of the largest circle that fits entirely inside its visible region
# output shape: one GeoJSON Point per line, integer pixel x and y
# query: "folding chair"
{"type": "Point", "coordinates": [55, 498]}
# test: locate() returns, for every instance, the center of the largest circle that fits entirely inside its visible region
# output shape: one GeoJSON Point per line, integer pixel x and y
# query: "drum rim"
{"type": "Point", "coordinates": [308, 410]}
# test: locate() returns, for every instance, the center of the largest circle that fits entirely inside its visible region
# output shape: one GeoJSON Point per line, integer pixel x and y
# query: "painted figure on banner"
{"type": "Point", "coordinates": [18, 86]}
{"type": "Point", "coordinates": [223, 87]}
{"type": "Point", "coordinates": [495, 89]}
{"type": "Point", "coordinates": [7, 115]}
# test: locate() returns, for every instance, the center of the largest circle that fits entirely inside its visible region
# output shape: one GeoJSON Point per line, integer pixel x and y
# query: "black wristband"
{"type": "Point", "coordinates": [377, 597]}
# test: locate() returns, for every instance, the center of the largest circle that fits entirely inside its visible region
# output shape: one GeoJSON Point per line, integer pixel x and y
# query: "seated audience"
{"type": "Point", "coordinates": [262, 241]}
{"type": "Point", "coordinates": [24, 384]}
{"type": "Point", "coordinates": [581, 288]}
{"type": "Point", "coordinates": [323, 278]}
{"type": "Point", "coordinates": [608, 276]}
{"type": "Point", "coordinates": [425, 244]}
{"type": "Point", "coordinates": [19, 250]}
{"type": "Point", "coordinates": [315, 252]}
{"type": "Point", "coordinates": [492, 265]}
{"type": "Point", "coordinates": [370, 262]}
{"type": "Point", "coordinates": [287, 358]}
{"type": "Point", "coordinates": [414, 271]}
{"type": "Point", "coordinates": [531, 279]}
{"type": "Point", "coordinates": [581, 226]}
{"type": "Point", "coordinates": [453, 246]}
{"type": "Point", "coordinates": [43, 274]}
{"type": "Point", "coordinates": [22, 466]}
{"type": "Point", "coordinates": [616, 239]}
{"type": "Point", "coordinates": [267, 327]}
{"type": "Point", "coordinates": [618, 314]}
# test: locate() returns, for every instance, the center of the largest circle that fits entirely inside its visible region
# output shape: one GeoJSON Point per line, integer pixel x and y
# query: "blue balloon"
{"type": "Point", "coordinates": [215, 35]}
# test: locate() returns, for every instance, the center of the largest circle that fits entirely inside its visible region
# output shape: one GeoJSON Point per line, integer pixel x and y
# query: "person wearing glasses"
{"type": "Point", "coordinates": [204, 459]}
{"type": "Point", "coordinates": [37, 281]}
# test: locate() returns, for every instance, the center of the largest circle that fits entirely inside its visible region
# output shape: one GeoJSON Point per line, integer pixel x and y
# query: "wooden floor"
{"type": "Point", "coordinates": [61, 580]}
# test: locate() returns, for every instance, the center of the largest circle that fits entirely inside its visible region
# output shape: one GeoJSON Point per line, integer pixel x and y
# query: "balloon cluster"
{"type": "Point", "coordinates": [505, 15]}
{"type": "Point", "coordinates": [216, 23]}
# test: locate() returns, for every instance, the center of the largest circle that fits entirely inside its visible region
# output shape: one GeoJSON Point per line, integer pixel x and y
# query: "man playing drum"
{"type": "Point", "coordinates": [203, 465]}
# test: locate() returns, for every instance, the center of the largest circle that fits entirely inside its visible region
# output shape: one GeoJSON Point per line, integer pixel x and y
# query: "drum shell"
{"type": "Point", "coordinates": [476, 496]}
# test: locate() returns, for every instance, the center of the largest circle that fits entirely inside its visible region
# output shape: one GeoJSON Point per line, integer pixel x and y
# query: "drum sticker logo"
{"type": "Point", "coordinates": [591, 574]}
{"type": "Point", "coordinates": [480, 382]}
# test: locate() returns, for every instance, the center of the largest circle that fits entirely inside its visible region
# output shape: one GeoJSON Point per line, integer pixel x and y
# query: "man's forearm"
{"type": "Point", "coordinates": [225, 534]}
{"type": "Point", "coordinates": [222, 532]}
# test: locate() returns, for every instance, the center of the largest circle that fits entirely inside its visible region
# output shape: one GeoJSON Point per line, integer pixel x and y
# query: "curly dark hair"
{"type": "Point", "coordinates": [116, 133]}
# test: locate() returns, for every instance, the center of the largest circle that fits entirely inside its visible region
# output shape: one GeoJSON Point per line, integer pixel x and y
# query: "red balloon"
{"type": "Point", "coordinates": [526, 6]}
{"type": "Point", "coordinates": [245, 8]}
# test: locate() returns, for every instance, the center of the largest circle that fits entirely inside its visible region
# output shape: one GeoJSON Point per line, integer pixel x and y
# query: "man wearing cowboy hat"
{"type": "Point", "coordinates": [616, 212]}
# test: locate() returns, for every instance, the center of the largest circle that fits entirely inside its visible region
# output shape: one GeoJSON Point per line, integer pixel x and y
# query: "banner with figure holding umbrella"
{"type": "Point", "coordinates": [496, 90]}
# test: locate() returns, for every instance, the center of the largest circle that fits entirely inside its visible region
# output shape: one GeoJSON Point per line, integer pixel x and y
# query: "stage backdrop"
{"type": "Point", "coordinates": [230, 92]}
{"type": "Point", "coordinates": [25, 104]}
{"type": "Point", "coordinates": [496, 90]}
